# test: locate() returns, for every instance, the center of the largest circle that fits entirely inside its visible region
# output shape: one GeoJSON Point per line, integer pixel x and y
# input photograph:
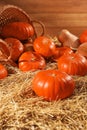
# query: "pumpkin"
{"type": "Point", "coordinates": [83, 36]}
{"type": "Point", "coordinates": [3, 71]}
{"type": "Point", "coordinates": [82, 49]}
{"type": "Point", "coordinates": [31, 61]}
{"type": "Point", "coordinates": [16, 48]}
{"type": "Point", "coordinates": [44, 46]}
{"type": "Point", "coordinates": [73, 64]}
{"type": "Point", "coordinates": [53, 85]}
{"type": "Point", "coordinates": [19, 30]}
{"type": "Point", "coordinates": [61, 51]}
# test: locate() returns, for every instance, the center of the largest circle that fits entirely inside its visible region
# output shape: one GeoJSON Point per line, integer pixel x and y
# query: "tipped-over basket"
{"type": "Point", "coordinates": [11, 13]}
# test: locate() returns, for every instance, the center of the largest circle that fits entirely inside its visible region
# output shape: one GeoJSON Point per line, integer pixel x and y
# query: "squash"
{"type": "Point", "coordinates": [69, 39]}
{"type": "Point", "coordinates": [82, 49]}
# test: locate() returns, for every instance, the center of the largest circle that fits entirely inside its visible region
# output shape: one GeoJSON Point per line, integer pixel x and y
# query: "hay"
{"type": "Point", "coordinates": [21, 109]}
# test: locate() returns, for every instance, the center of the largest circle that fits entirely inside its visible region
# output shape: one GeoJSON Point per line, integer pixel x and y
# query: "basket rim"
{"type": "Point", "coordinates": [5, 7]}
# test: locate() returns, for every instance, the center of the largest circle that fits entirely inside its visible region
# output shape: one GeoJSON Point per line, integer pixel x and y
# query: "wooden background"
{"type": "Point", "coordinates": [55, 14]}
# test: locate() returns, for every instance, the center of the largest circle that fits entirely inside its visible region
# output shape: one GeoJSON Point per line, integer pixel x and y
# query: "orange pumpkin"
{"type": "Point", "coordinates": [19, 30]}
{"type": "Point", "coordinates": [61, 51]}
{"type": "Point", "coordinates": [31, 61]}
{"type": "Point", "coordinates": [73, 64]}
{"type": "Point", "coordinates": [83, 36]}
{"type": "Point", "coordinates": [16, 48]}
{"type": "Point", "coordinates": [3, 71]}
{"type": "Point", "coordinates": [53, 85]}
{"type": "Point", "coordinates": [44, 46]}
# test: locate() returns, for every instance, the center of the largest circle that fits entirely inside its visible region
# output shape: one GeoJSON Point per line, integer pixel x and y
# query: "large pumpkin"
{"type": "Point", "coordinates": [31, 61]}
{"type": "Point", "coordinates": [73, 64]}
{"type": "Point", "coordinates": [53, 85]}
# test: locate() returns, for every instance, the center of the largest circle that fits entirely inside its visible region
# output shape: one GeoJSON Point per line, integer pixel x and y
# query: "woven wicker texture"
{"type": "Point", "coordinates": [12, 13]}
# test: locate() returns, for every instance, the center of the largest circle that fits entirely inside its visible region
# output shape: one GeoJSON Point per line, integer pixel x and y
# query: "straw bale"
{"type": "Point", "coordinates": [21, 109]}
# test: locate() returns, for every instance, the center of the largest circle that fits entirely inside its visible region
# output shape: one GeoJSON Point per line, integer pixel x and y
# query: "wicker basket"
{"type": "Point", "coordinates": [11, 13]}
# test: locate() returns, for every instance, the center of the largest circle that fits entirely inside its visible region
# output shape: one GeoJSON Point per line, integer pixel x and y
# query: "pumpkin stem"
{"type": "Point", "coordinates": [54, 75]}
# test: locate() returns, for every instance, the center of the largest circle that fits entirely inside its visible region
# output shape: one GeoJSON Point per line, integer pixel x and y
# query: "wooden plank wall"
{"type": "Point", "coordinates": [55, 14]}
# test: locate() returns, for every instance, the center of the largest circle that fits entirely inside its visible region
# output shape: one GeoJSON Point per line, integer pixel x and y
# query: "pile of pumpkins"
{"type": "Point", "coordinates": [19, 49]}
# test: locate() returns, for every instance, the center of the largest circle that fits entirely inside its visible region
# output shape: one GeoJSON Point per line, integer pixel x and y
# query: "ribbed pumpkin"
{"type": "Point", "coordinates": [73, 64]}
{"type": "Point", "coordinates": [16, 48]}
{"type": "Point", "coordinates": [44, 46]}
{"type": "Point", "coordinates": [31, 61]}
{"type": "Point", "coordinates": [61, 51]}
{"type": "Point", "coordinates": [53, 85]}
{"type": "Point", "coordinates": [19, 30]}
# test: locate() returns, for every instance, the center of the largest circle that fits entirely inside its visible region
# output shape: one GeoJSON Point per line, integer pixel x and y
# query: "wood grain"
{"type": "Point", "coordinates": [56, 15]}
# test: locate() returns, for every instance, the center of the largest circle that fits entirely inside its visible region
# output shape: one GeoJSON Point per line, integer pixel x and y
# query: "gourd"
{"type": "Point", "coordinates": [82, 49]}
{"type": "Point", "coordinates": [69, 39]}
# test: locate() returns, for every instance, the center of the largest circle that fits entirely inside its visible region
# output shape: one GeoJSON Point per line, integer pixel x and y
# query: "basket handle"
{"type": "Point", "coordinates": [42, 26]}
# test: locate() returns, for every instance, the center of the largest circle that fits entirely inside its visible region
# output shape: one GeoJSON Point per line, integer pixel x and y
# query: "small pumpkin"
{"type": "Point", "coordinates": [73, 64]}
{"type": "Point", "coordinates": [31, 61]}
{"type": "Point", "coordinates": [3, 71]}
{"type": "Point", "coordinates": [53, 85]}
{"type": "Point", "coordinates": [16, 48]}
{"type": "Point", "coordinates": [44, 46]}
{"type": "Point", "coordinates": [61, 51]}
{"type": "Point", "coordinates": [19, 30]}
{"type": "Point", "coordinates": [83, 36]}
